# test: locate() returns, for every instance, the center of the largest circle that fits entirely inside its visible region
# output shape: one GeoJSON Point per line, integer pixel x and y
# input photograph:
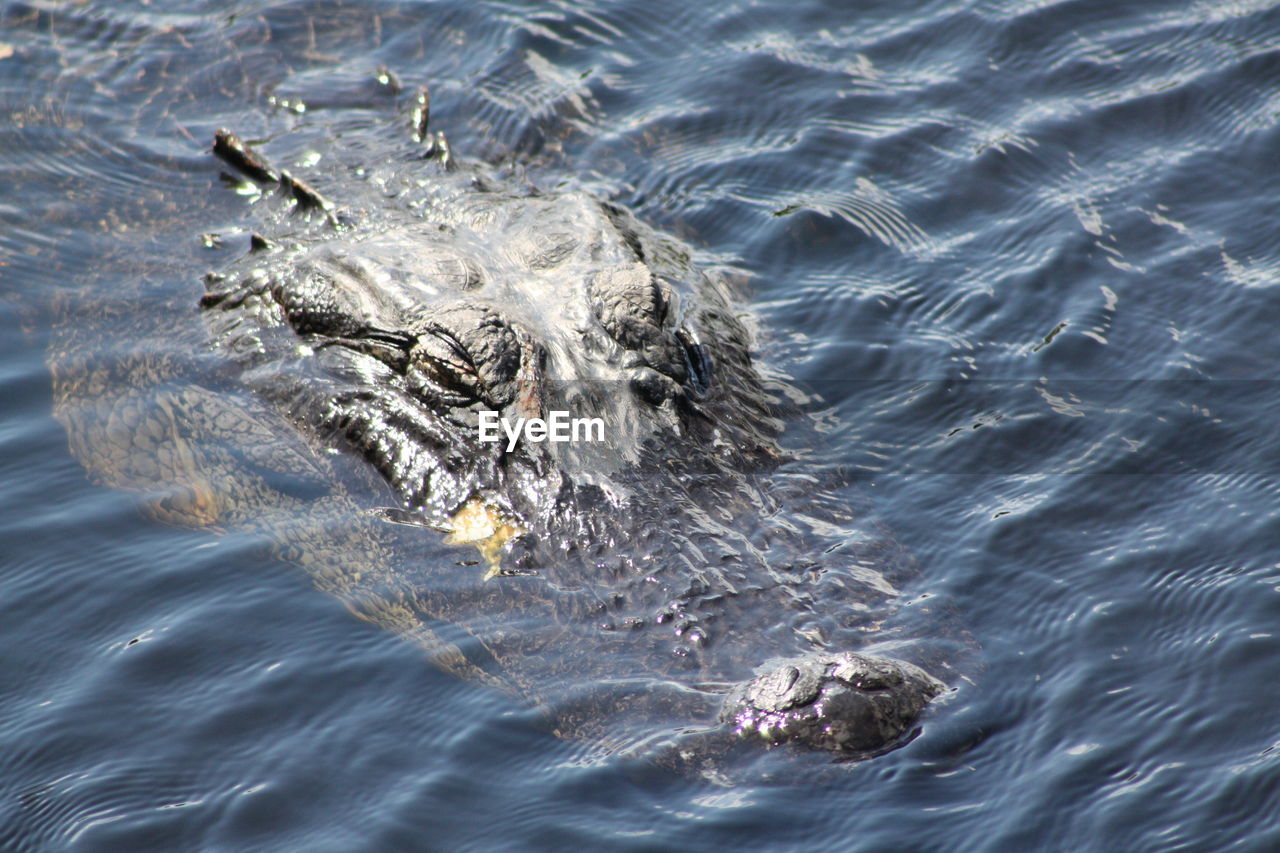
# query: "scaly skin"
{"type": "Point", "coordinates": [632, 584]}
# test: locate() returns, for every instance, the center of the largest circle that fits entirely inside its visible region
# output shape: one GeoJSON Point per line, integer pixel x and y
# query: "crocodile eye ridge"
{"type": "Point", "coordinates": [629, 305]}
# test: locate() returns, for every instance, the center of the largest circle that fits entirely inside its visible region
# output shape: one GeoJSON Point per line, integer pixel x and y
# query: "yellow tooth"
{"type": "Point", "coordinates": [484, 526]}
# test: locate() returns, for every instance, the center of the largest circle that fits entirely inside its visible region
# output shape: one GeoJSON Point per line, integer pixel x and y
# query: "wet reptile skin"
{"type": "Point", "coordinates": [637, 583]}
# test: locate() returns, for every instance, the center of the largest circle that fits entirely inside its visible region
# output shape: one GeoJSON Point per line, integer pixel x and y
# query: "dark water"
{"type": "Point", "coordinates": [1025, 251]}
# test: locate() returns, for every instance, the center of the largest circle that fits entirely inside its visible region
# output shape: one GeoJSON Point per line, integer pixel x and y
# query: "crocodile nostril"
{"type": "Point", "coordinates": [652, 387]}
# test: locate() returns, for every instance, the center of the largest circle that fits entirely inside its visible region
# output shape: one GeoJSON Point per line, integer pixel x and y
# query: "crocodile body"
{"type": "Point", "coordinates": [643, 583]}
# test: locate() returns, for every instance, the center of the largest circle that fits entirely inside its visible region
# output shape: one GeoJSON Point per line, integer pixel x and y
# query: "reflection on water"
{"type": "Point", "coordinates": [1024, 252]}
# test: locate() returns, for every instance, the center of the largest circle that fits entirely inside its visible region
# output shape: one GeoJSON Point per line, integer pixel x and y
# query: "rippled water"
{"type": "Point", "coordinates": [1025, 251]}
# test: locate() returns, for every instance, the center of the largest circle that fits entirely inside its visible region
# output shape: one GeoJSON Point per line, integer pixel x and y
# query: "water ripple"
{"type": "Point", "coordinates": [1023, 252]}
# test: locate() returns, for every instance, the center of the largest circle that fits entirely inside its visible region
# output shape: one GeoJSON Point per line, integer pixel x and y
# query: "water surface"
{"type": "Point", "coordinates": [1024, 251]}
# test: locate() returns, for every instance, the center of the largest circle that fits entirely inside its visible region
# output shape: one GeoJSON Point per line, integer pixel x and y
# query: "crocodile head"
{"type": "Point", "coordinates": [400, 336]}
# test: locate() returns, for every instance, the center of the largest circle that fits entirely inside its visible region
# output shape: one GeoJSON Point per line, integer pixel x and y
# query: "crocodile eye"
{"type": "Point", "coordinates": [439, 367]}
{"type": "Point", "coordinates": [630, 305]}
{"type": "Point", "coordinates": [464, 354]}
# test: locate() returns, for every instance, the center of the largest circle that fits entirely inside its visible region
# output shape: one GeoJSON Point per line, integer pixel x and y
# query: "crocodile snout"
{"type": "Point", "coordinates": [845, 703]}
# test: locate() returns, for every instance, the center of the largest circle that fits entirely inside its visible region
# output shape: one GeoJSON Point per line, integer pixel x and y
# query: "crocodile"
{"type": "Point", "coordinates": [648, 585]}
